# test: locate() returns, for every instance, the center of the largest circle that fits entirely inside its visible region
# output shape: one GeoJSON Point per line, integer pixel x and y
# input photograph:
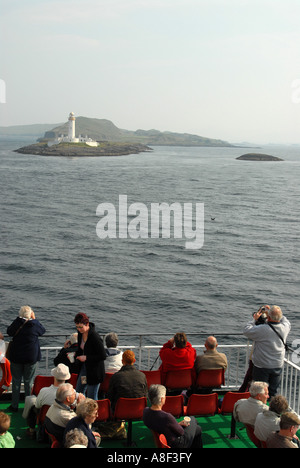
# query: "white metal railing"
{"type": "Point", "coordinates": [147, 357]}
{"type": "Point", "coordinates": [290, 383]}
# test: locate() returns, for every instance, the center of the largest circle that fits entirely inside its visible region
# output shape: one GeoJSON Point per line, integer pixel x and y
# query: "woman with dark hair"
{"type": "Point", "coordinates": [91, 355]}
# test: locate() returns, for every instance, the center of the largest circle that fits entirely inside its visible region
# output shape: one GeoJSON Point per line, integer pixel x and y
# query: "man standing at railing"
{"type": "Point", "coordinates": [269, 347]}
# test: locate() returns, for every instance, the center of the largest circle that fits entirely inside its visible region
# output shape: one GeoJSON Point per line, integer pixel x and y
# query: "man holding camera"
{"type": "Point", "coordinates": [269, 330]}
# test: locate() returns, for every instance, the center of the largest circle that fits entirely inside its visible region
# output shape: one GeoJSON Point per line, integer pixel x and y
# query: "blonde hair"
{"type": "Point", "coordinates": [25, 312]}
{"type": "Point", "coordinates": [86, 408]}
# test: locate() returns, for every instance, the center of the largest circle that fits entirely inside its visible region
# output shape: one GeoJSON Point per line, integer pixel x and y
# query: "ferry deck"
{"type": "Point", "coordinates": [217, 429]}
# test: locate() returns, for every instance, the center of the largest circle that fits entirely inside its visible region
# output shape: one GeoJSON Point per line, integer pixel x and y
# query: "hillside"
{"type": "Point", "coordinates": [101, 130]}
{"type": "Point", "coordinates": [105, 130]}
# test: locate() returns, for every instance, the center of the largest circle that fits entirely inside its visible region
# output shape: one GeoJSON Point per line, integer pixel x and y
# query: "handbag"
{"type": "Point", "coordinates": [9, 347]}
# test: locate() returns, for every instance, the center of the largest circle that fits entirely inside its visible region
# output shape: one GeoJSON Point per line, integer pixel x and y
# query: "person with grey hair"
{"type": "Point", "coordinates": [185, 434]}
{"type": "Point", "coordinates": [24, 352]}
{"type": "Point", "coordinates": [62, 410]}
{"type": "Point", "coordinates": [76, 439]}
{"type": "Point", "coordinates": [86, 413]}
{"type": "Point", "coordinates": [286, 436]}
{"type": "Point", "coordinates": [246, 409]}
{"type": "Point", "coordinates": [269, 346]}
{"type": "Point", "coordinates": [268, 421]}
{"type": "Point", "coordinates": [113, 361]}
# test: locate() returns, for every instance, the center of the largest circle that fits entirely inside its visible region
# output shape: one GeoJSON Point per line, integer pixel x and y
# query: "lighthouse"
{"type": "Point", "coordinates": [71, 134]}
{"type": "Point", "coordinates": [71, 138]}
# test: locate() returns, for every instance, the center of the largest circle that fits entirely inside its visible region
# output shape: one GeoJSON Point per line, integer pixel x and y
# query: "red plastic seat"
{"type": "Point", "coordinates": [55, 444]}
{"type": "Point", "coordinates": [179, 379]}
{"type": "Point", "coordinates": [252, 436]}
{"type": "Point", "coordinates": [73, 380]}
{"type": "Point", "coordinates": [104, 410]}
{"type": "Point", "coordinates": [229, 400]}
{"type": "Point", "coordinates": [163, 442]}
{"type": "Point", "coordinates": [105, 384]}
{"type": "Point", "coordinates": [53, 439]}
{"type": "Point", "coordinates": [202, 405]}
{"type": "Point", "coordinates": [130, 409]}
{"type": "Point", "coordinates": [210, 378]}
{"type": "Point", "coordinates": [40, 382]}
{"type": "Point", "coordinates": [153, 377]}
{"type": "Point", "coordinates": [174, 405]}
{"type": "Point", "coordinates": [42, 414]}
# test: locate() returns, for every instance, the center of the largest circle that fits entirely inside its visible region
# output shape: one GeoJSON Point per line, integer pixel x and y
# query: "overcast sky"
{"type": "Point", "coordinates": [226, 69]}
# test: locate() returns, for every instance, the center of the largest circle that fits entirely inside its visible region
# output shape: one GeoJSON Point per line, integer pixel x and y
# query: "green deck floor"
{"type": "Point", "coordinates": [215, 430]}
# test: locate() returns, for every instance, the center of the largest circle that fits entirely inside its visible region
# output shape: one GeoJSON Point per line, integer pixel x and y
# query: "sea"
{"type": "Point", "coordinates": [52, 259]}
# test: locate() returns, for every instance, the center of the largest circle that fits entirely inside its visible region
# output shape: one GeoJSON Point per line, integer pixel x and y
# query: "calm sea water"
{"type": "Point", "coordinates": [52, 259]}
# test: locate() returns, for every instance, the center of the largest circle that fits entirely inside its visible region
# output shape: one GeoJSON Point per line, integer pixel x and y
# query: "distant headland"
{"type": "Point", "coordinates": [258, 157]}
{"type": "Point", "coordinates": [99, 137]}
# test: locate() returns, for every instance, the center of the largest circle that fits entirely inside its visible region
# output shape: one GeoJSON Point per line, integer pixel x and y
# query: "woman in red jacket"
{"type": "Point", "coordinates": [177, 354]}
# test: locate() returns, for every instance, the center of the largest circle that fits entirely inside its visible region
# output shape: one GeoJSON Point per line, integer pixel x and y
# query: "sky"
{"type": "Point", "coordinates": [226, 69]}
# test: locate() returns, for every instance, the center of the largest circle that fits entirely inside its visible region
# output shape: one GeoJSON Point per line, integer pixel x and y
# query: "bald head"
{"type": "Point", "coordinates": [211, 343]}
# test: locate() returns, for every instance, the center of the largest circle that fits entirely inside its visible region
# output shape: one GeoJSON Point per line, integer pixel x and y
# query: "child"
{"type": "Point", "coordinates": [6, 439]}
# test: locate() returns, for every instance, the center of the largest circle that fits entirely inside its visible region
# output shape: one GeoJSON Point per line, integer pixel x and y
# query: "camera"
{"type": "Point", "coordinates": [263, 318]}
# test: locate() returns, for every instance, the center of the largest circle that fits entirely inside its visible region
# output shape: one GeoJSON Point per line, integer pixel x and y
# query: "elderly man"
{"type": "Point", "coordinates": [269, 347]}
{"type": "Point", "coordinates": [211, 359]}
{"type": "Point", "coordinates": [246, 409]}
{"type": "Point", "coordinates": [62, 410]}
{"type": "Point", "coordinates": [46, 396]}
{"type": "Point", "coordinates": [286, 436]}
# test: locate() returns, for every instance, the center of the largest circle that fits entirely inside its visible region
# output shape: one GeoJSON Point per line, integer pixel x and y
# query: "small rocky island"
{"type": "Point", "coordinates": [105, 148]}
{"type": "Point", "coordinates": [258, 157]}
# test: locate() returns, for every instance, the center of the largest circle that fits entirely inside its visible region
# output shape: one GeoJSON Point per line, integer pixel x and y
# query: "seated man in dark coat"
{"type": "Point", "coordinates": [128, 382]}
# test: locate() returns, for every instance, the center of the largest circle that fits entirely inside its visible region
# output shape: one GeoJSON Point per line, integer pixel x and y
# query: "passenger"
{"type": "Point", "coordinates": [91, 355]}
{"type": "Point", "coordinates": [128, 382]}
{"type": "Point", "coordinates": [286, 436]}
{"type": "Point", "coordinates": [62, 410]}
{"type": "Point", "coordinates": [67, 354]}
{"type": "Point", "coordinates": [86, 413]}
{"type": "Point", "coordinates": [24, 352]}
{"type": "Point", "coordinates": [269, 350]}
{"type": "Point", "coordinates": [211, 359]}
{"type": "Point", "coordinates": [113, 361]}
{"type": "Point", "coordinates": [268, 421]}
{"type": "Point", "coordinates": [6, 438]}
{"type": "Point", "coordinates": [76, 439]}
{"type": "Point", "coordinates": [177, 354]}
{"type": "Point", "coordinates": [247, 409]}
{"type": "Point", "coordinates": [180, 435]}
{"type": "Point", "coordinates": [46, 396]}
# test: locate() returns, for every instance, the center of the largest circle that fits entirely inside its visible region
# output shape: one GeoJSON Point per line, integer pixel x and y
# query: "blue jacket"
{"type": "Point", "coordinates": [80, 424]}
{"type": "Point", "coordinates": [25, 348]}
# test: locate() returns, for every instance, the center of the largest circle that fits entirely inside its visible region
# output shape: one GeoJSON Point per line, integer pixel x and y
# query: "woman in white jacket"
{"type": "Point", "coordinates": [113, 361]}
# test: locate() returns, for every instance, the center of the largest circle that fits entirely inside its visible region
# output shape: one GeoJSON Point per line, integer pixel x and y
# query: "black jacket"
{"type": "Point", "coordinates": [128, 382]}
{"type": "Point", "coordinates": [95, 356]}
{"type": "Point", "coordinates": [25, 348]}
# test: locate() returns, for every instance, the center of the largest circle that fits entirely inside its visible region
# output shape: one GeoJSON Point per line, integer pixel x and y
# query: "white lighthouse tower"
{"type": "Point", "coordinates": [71, 138]}
{"type": "Point", "coordinates": [71, 134]}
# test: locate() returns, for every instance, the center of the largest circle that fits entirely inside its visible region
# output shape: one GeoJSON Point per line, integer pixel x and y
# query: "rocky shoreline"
{"type": "Point", "coordinates": [83, 150]}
